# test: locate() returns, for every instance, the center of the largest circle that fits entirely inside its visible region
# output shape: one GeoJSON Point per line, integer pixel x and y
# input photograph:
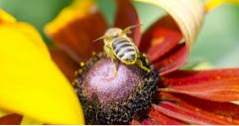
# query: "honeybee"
{"type": "Point", "coordinates": [118, 46]}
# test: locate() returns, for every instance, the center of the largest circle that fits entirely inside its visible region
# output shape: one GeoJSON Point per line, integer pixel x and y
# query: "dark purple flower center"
{"type": "Point", "coordinates": [114, 98]}
{"type": "Point", "coordinates": [101, 81]}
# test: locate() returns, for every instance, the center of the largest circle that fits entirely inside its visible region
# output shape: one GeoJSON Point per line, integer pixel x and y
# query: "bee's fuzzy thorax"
{"type": "Point", "coordinates": [110, 99]}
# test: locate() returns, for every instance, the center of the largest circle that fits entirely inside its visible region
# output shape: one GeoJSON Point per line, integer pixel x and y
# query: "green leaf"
{"type": "Point", "coordinates": [218, 42]}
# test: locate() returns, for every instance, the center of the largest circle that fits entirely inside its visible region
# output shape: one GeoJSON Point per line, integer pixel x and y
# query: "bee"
{"type": "Point", "coordinates": [118, 46]}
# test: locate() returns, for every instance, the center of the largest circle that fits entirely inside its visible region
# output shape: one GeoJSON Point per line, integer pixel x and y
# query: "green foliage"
{"type": "Point", "coordinates": [108, 8]}
{"type": "Point", "coordinates": [218, 42]}
{"type": "Point", "coordinates": [148, 14]}
{"type": "Point", "coordinates": [35, 12]}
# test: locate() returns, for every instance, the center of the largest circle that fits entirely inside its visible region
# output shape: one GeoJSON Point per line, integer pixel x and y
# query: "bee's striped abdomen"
{"type": "Point", "coordinates": [124, 50]}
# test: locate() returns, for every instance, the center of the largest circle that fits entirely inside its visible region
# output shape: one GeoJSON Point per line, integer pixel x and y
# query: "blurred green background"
{"type": "Point", "coordinates": [217, 44]}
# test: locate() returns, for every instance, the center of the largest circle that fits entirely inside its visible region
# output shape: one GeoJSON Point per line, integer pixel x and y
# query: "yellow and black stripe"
{"type": "Point", "coordinates": [124, 50]}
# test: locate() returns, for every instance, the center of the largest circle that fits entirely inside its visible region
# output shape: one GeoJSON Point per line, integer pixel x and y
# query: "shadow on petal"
{"type": "Point", "coordinates": [76, 27]}
{"type": "Point", "coordinates": [126, 15]}
{"type": "Point", "coordinates": [67, 65]}
{"type": "Point", "coordinates": [11, 119]}
{"type": "Point", "coordinates": [216, 85]}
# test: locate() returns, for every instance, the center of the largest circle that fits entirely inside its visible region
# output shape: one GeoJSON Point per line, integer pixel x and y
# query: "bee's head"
{"type": "Point", "coordinates": [116, 32]}
{"type": "Point", "coordinates": [113, 32]}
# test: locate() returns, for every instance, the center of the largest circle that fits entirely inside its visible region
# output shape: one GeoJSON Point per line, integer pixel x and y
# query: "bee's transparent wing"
{"type": "Point", "coordinates": [127, 30]}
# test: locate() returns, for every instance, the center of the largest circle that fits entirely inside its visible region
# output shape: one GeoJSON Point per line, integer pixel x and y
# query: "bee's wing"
{"type": "Point", "coordinates": [127, 30]}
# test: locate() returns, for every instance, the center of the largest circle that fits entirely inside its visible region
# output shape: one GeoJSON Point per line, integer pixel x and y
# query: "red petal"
{"type": "Point", "coordinates": [126, 15]}
{"type": "Point", "coordinates": [76, 34]}
{"type": "Point", "coordinates": [64, 62]}
{"type": "Point", "coordinates": [216, 85]}
{"type": "Point", "coordinates": [160, 38]}
{"type": "Point", "coordinates": [190, 114]}
{"type": "Point", "coordinates": [165, 41]}
{"type": "Point", "coordinates": [12, 119]}
{"type": "Point", "coordinates": [158, 118]}
{"type": "Point", "coordinates": [172, 60]}
{"type": "Point", "coordinates": [228, 111]}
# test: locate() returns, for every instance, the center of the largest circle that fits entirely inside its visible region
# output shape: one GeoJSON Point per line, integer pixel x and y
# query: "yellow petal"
{"type": "Point", "coordinates": [213, 4]}
{"type": "Point", "coordinates": [30, 83]}
{"type": "Point", "coordinates": [33, 35]}
{"type": "Point", "coordinates": [78, 9]}
{"type": "Point", "coordinates": [5, 17]}
{"type": "Point", "coordinates": [30, 121]}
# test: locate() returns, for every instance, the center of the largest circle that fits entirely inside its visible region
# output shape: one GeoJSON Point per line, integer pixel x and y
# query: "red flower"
{"type": "Point", "coordinates": [185, 97]}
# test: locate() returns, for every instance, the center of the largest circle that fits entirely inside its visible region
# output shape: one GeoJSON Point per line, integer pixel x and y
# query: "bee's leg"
{"type": "Point", "coordinates": [143, 63]}
{"type": "Point", "coordinates": [110, 55]}
{"type": "Point", "coordinates": [116, 68]}
{"type": "Point", "coordinates": [142, 66]}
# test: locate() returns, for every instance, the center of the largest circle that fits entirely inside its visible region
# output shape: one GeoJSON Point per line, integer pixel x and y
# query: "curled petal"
{"type": "Point", "coordinates": [67, 65]}
{"type": "Point", "coordinates": [160, 38]}
{"type": "Point", "coordinates": [126, 15]}
{"type": "Point", "coordinates": [172, 60]}
{"type": "Point", "coordinates": [30, 82]}
{"type": "Point", "coordinates": [188, 14]}
{"type": "Point", "coordinates": [216, 85]}
{"type": "Point", "coordinates": [76, 27]}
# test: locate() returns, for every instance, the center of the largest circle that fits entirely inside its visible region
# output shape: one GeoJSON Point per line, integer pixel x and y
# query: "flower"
{"type": "Point", "coordinates": [184, 97]}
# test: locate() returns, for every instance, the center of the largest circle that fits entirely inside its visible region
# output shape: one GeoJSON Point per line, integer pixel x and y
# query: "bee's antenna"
{"type": "Point", "coordinates": [127, 30]}
{"type": "Point", "coordinates": [102, 37]}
